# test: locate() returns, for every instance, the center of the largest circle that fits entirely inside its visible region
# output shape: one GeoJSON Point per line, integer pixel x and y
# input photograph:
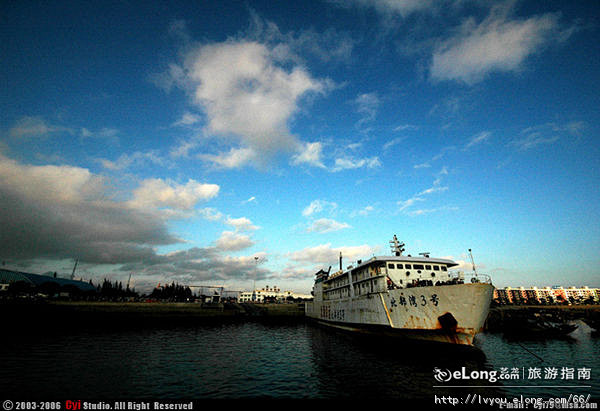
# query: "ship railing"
{"type": "Point", "coordinates": [472, 278]}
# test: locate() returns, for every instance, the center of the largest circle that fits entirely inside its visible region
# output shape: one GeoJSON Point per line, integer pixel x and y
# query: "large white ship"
{"type": "Point", "coordinates": [413, 297]}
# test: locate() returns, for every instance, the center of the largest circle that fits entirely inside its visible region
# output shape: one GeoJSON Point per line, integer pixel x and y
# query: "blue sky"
{"type": "Point", "coordinates": [226, 142]}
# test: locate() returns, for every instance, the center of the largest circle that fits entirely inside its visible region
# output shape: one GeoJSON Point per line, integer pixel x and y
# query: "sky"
{"type": "Point", "coordinates": [239, 143]}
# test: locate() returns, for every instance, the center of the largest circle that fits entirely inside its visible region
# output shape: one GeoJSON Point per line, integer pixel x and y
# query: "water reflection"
{"type": "Point", "coordinates": [352, 366]}
{"type": "Point", "coordinates": [254, 360]}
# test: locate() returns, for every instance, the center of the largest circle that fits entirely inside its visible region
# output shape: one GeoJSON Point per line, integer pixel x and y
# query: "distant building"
{"type": "Point", "coordinates": [269, 294]}
{"type": "Point", "coordinates": [546, 295]}
{"type": "Point", "coordinates": [42, 282]}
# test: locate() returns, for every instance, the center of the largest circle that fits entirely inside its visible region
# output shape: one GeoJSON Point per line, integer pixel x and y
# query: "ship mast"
{"type": "Point", "coordinates": [396, 246]}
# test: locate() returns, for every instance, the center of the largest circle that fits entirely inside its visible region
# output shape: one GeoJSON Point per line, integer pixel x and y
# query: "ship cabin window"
{"type": "Point", "coordinates": [428, 267]}
{"type": "Point", "coordinates": [399, 266]}
{"type": "Point", "coordinates": [391, 266]}
{"type": "Point", "coordinates": [407, 266]}
{"type": "Point", "coordinates": [444, 268]}
{"type": "Point", "coordinates": [436, 268]}
{"type": "Point", "coordinates": [418, 266]}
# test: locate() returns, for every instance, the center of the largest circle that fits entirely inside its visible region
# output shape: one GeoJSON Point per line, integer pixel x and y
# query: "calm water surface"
{"type": "Point", "coordinates": [249, 360]}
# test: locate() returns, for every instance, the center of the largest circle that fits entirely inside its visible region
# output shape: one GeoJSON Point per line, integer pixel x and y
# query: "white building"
{"type": "Point", "coordinates": [269, 294]}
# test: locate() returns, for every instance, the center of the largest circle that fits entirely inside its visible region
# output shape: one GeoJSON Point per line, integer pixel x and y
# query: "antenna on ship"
{"type": "Point", "coordinates": [396, 246]}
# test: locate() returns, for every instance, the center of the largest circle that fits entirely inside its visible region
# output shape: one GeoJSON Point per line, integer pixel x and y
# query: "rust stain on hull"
{"type": "Point", "coordinates": [445, 328]}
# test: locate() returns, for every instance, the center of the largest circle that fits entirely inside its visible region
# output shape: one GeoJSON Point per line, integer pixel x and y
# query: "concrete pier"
{"type": "Point", "coordinates": [45, 315]}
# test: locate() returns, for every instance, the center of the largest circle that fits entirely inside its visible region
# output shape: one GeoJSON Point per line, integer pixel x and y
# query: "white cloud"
{"type": "Point", "coordinates": [431, 210]}
{"type": "Point", "coordinates": [427, 164]}
{"type": "Point", "coordinates": [126, 160]}
{"type": "Point", "coordinates": [363, 211]}
{"type": "Point", "coordinates": [393, 142]}
{"type": "Point", "coordinates": [311, 154]}
{"type": "Point", "coordinates": [235, 158]}
{"type": "Point", "coordinates": [34, 126]}
{"type": "Point", "coordinates": [241, 224]}
{"type": "Point", "coordinates": [548, 133]}
{"type": "Point", "coordinates": [157, 193]}
{"type": "Point", "coordinates": [347, 163]}
{"type": "Point", "coordinates": [532, 140]}
{"type": "Point", "coordinates": [211, 214]}
{"type": "Point", "coordinates": [435, 188]}
{"type": "Point", "coordinates": [50, 183]}
{"type": "Point", "coordinates": [404, 127]}
{"type": "Point", "coordinates": [419, 197]}
{"type": "Point", "coordinates": [249, 93]}
{"type": "Point", "coordinates": [392, 7]}
{"type": "Point", "coordinates": [422, 165]}
{"type": "Point", "coordinates": [61, 212]}
{"type": "Point", "coordinates": [496, 44]}
{"type": "Point", "coordinates": [326, 225]}
{"type": "Point", "coordinates": [183, 148]}
{"type": "Point", "coordinates": [105, 133]}
{"type": "Point", "coordinates": [329, 46]}
{"type": "Point", "coordinates": [479, 138]}
{"type": "Point", "coordinates": [188, 119]}
{"type": "Point", "coordinates": [367, 105]}
{"type": "Point", "coordinates": [233, 241]}
{"type": "Point", "coordinates": [317, 206]}
{"type": "Point", "coordinates": [407, 203]}
{"type": "Point", "coordinates": [325, 254]}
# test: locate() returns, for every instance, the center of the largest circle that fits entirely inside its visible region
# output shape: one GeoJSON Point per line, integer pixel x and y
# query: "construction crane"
{"type": "Point", "coordinates": [73, 273]}
{"type": "Point", "coordinates": [474, 279]}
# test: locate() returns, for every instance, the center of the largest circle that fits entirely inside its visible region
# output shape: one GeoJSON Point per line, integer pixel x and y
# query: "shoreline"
{"type": "Point", "coordinates": [60, 315]}
{"type": "Point", "coordinates": [51, 314]}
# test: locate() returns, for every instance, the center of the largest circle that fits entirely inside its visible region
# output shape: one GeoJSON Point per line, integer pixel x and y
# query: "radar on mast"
{"type": "Point", "coordinates": [396, 246]}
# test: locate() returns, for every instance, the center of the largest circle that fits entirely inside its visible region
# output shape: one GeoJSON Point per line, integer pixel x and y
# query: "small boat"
{"type": "Point", "coordinates": [537, 328]}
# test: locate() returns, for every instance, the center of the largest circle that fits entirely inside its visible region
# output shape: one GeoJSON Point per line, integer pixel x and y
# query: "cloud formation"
{"type": "Point", "coordinates": [318, 206]}
{"type": "Point", "coordinates": [325, 254]}
{"type": "Point", "coordinates": [404, 206]}
{"type": "Point", "coordinates": [389, 8]}
{"type": "Point", "coordinates": [498, 43]}
{"type": "Point", "coordinates": [58, 212]}
{"type": "Point", "coordinates": [33, 126]}
{"type": "Point", "coordinates": [233, 241]}
{"type": "Point", "coordinates": [64, 212]}
{"type": "Point", "coordinates": [326, 225]}
{"type": "Point", "coordinates": [249, 92]}
{"type": "Point", "coordinates": [158, 193]}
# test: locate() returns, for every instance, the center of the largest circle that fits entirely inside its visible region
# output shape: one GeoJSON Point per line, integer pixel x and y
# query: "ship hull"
{"type": "Point", "coordinates": [447, 314]}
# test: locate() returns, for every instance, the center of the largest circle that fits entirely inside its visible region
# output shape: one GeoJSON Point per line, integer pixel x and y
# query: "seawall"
{"type": "Point", "coordinates": [46, 315]}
